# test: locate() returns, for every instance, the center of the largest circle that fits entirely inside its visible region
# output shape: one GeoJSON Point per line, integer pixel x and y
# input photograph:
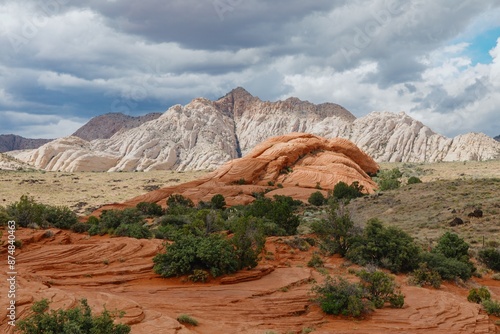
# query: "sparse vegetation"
{"type": "Point", "coordinates": [389, 179]}
{"type": "Point", "coordinates": [187, 320]}
{"type": "Point", "coordinates": [479, 295]}
{"type": "Point", "coordinates": [75, 320]}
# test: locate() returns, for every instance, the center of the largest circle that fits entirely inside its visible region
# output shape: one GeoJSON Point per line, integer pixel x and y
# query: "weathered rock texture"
{"type": "Point", "coordinates": [14, 142]}
{"type": "Point", "coordinates": [299, 163]}
{"type": "Point", "coordinates": [116, 273]}
{"type": "Point", "coordinates": [105, 126]}
{"type": "Point", "coordinates": [204, 134]}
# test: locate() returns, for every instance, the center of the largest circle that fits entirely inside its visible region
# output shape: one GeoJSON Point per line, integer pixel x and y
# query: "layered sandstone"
{"type": "Point", "coordinates": [204, 134]}
{"type": "Point", "coordinates": [299, 163]}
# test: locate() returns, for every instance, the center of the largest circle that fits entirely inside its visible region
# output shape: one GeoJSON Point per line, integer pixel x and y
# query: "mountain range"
{"type": "Point", "coordinates": [204, 134]}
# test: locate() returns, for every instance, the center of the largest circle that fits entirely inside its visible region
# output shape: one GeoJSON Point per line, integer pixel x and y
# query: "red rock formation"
{"type": "Point", "coordinates": [300, 162]}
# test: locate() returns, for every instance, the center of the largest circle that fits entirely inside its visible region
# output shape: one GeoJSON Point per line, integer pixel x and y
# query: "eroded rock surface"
{"type": "Point", "coordinates": [294, 165]}
{"type": "Point", "coordinates": [204, 134]}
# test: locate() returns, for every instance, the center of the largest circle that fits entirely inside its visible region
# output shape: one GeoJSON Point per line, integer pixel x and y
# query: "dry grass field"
{"type": "Point", "coordinates": [84, 192]}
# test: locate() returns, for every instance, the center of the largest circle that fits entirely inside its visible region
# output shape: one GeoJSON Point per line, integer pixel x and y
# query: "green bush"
{"type": "Point", "coordinates": [135, 230]}
{"type": "Point", "coordinates": [388, 247]}
{"type": "Point", "coordinates": [490, 257]}
{"type": "Point", "coordinates": [150, 209]}
{"type": "Point", "coordinates": [380, 288]}
{"type": "Point", "coordinates": [179, 200]}
{"type": "Point", "coordinates": [72, 321]}
{"type": "Point", "coordinates": [389, 179]}
{"type": "Point", "coordinates": [248, 241]}
{"type": "Point", "coordinates": [213, 253]}
{"type": "Point", "coordinates": [338, 296]}
{"type": "Point", "coordinates": [347, 192]}
{"type": "Point", "coordinates": [317, 198]}
{"type": "Point", "coordinates": [448, 268]}
{"type": "Point", "coordinates": [80, 227]}
{"type": "Point", "coordinates": [479, 295]}
{"type": "Point", "coordinates": [198, 275]}
{"type": "Point", "coordinates": [26, 212]}
{"type": "Point", "coordinates": [336, 231]}
{"type": "Point", "coordinates": [453, 247]}
{"type": "Point", "coordinates": [492, 307]}
{"type": "Point", "coordinates": [187, 319]}
{"type": "Point", "coordinates": [60, 217]}
{"type": "Point", "coordinates": [315, 261]}
{"type": "Point", "coordinates": [414, 180]}
{"type": "Point", "coordinates": [425, 276]}
{"type": "Point", "coordinates": [218, 202]}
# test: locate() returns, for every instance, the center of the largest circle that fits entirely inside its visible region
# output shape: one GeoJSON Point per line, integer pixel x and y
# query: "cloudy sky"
{"type": "Point", "coordinates": [64, 61]}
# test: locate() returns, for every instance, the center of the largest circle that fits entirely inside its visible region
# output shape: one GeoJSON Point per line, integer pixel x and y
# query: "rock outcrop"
{"type": "Point", "coordinates": [299, 163]}
{"type": "Point", "coordinates": [105, 126]}
{"type": "Point", "coordinates": [204, 134]}
{"type": "Point", "coordinates": [14, 142]}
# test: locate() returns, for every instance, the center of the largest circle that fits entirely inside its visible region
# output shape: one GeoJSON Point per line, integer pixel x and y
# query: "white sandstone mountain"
{"type": "Point", "coordinates": [204, 134]}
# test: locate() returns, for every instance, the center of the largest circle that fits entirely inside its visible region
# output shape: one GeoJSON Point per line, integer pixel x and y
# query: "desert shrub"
{"type": "Point", "coordinates": [248, 240]}
{"type": "Point", "coordinates": [187, 319]}
{"type": "Point", "coordinates": [380, 288]}
{"type": "Point", "coordinates": [199, 275]}
{"type": "Point", "coordinates": [218, 202]}
{"type": "Point", "coordinates": [179, 200]}
{"type": "Point", "coordinates": [338, 296]}
{"type": "Point", "coordinates": [389, 179]}
{"type": "Point", "coordinates": [75, 320]}
{"type": "Point", "coordinates": [423, 275]}
{"type": "Point", "coordinates": [454, 247]}
{"type": "Point", "coordinates": [93, 220]}
{"type": "Point", "coordinates": [80, 227]}
{"type": "Point", "coordinates": [135, 230]}
{"type": "Point", "coordinates": [490, 257]}
{"type": "Point", "coordinates": [478, 295]}
{"type": "Point", "coordinates": [150, 209]}
{"type": "Point", "coordinates": [317, 198]}
{"type": "Point", "coordinates": [26, 212]}
{"type": "Point", "coordinates": [388, 247]}
{"type": "Point", "coordinates": [213, 253]}
{"type": "Point", "coordinates": [336, 231]}
{"type": "Point", "coordinates": [315, 261]}
{"type": "Point", "coordinates": [279, 211]}
{"type": "Point", "coordinates": [447, 268]}
{"type": "Point", "coordinates": [4, 216]}
{"type": "Point", "coordinates": [414, 180]}
{"type": "Point", "coordinates": [111, 219]}
{"type": "Point", "coordinates": [492, 307]}
{"type": "Point", "coordinates": [60, 217]}
{"type": "Point", "coordinates": [347, 192]}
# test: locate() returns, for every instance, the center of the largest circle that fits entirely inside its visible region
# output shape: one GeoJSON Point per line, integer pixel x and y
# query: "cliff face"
{"type": "Point", "coordinates": [105, 126]}
{"type": "Point", "coordinates": [14, 142]}
{"type": "Point", "coordinates": [204, 134]}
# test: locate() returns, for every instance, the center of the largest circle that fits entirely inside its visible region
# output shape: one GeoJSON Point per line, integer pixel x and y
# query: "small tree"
{"type": "Point", "coordinates": [347, 192]}
{"type": "Point", "coordinates": [490, 257]}
{"type": "Point", "coordinates": [381, 288]}
{"type": "Point", "coordinates": [317, 198]}
{"type": "Point", "coordinates": [218, 202]}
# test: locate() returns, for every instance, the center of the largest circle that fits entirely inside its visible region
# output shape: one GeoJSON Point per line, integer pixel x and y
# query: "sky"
{"type": "Point", "coordinates": [63, 62]}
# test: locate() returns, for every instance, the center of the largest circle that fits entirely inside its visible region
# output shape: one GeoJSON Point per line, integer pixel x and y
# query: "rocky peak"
{"type": "Point", "coordinates": [12, 142]}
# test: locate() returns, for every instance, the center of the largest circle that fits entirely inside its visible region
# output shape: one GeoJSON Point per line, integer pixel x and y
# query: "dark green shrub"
{"type": "Point", "coordinates": [179, 200]}
{"type": "Point", "coordinates": [479, 295]}
{"type": "Point", "coordinates": [75, 320]}
{"type": "Point", "coordinates": [60, 217]}
{"type": "Point", "coordinates": [490, 257]}
{"type": "Point", "coordinates": [425, 276]}
{"type": "Point", "coordinates": [135, 230]}
{"type": "Point", "coordinates": [447, 268]}
{"type": "Point", "coordinates": [248, 241]}
{"type": "Point", "coordinates": [454, 247]}
{"type": "Point", "coordinates": [317, 198]}
{"type": "Point", "coordinates": [213, 253]}
{"type": "Point", "coordinates": [389, 179]}
{"type": "Point", "coordinates": [338, 296]}
{"type": "Point", "coordinates": [111, 219]}
{"type": "Point", "coordinates": [218, 202]}
{"type": "Point", "coordinates": [337, 230]}
{"type": "Point", "coordinates": [27, 212]}
{"type": "Point", "coordinates": [198, 275]}
{"type": "Point", "coordinates": [492, 307]}
{"type": "Point", "coordinates": [187, 319]}
{"type": "Point", "coordinates": [315, 261]}
{"type": "Point", "coordinates": [388, 247]}
{"type": "Point", "coordinates": [380, 288]}
{"type": "Point", "coordinates": [347, 192]}
{"type": "Point", "coordinates": [80, 227]}
{"type": "Point", "coordinates": [93, 220]}
{"type": "Point", "coordinates": [150, 209]}
{"type": "Point", "coordinates": [414, 180]}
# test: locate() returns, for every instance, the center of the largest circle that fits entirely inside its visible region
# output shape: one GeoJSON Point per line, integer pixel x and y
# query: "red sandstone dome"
{"type": "Point", "coordinates": [300, 162]}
